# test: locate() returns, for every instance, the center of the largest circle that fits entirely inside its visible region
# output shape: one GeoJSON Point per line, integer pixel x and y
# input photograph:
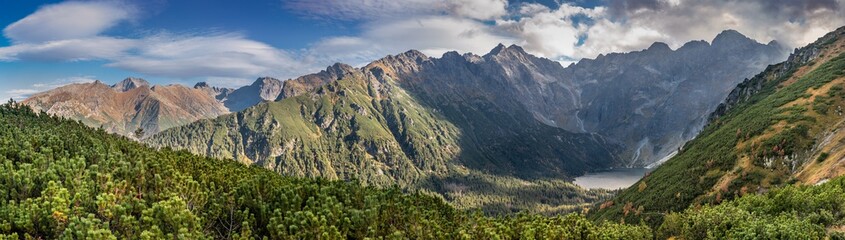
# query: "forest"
{"type": "Point", "coordinates": [62, 180]}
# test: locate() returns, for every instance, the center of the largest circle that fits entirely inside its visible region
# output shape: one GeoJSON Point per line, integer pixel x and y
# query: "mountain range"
{"type": "Point", "coordinates": [651, 101]}
{"type": "Point", "coordinates": [438, 123]}
{"type": "Point", "coordinates": [781, 127]}
{"type": "Point", "coordinates": [433, 123]}
{"type": "Point", "coordinates": [128, 105]}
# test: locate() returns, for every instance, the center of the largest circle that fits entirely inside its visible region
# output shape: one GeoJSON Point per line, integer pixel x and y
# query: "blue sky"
{"type": "Point", "coordinates": [46, 44]}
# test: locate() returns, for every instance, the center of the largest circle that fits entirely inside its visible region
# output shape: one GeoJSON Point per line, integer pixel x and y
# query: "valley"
{"type": "Point", "coordinates": [422, 119]}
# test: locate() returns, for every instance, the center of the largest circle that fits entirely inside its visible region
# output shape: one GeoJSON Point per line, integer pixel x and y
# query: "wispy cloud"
{"type": "Point", "coordinates": [20, 94]}
{"type": "Point", "coordinates": [23, 93]}
{"type": "Point", "coordinates": [73, 31]}
{"type": "Point", "coordinates": [222, 55]}
{"type": "Point", "coordinates": [68, 20]}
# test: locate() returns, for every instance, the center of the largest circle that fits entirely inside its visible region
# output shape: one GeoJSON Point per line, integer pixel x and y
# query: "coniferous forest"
{"type": "Point", "coordinates": [62, 180]}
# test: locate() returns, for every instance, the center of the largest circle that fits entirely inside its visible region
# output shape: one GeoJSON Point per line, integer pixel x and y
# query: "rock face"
{"type": "Point", "coordinates": [129, 84]}
{"type": "Point", "coordinates": [221, 94]}
{"type": "Point", "coordinates": [128, 105]}
{"type": "Point", "coordinates": [310, 82]}
{"type": "Point", "coordinates": [263, 89]}
{"type": "Point", "coordinates": [651, 101]}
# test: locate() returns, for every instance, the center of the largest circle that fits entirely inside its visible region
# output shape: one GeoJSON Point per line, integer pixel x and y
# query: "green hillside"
{"type": "Point", "coordinates": [62, 180]}
{"type": "Point", "coordinates": [772, 131]}
{"type": "Point", "coordinates": [472, 148]}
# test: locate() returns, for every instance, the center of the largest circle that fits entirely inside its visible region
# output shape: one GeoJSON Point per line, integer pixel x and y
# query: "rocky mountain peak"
{"type": "Point", "coordinates": [201, 85]}
{"type": "Point", "coordinates": [218, 93]}
{"type": "Point", "coordinates": [412, 55]}
{"type": "Point", "coordinates": [694, 45]}
{"type": "Point", "coordinates": [338, 70]}
{"type": "Point", "coordinates": [451, 54]}
{"type": "Point", "coordinates": [659, 47]}
{"type": "Point", "coordinates": [268, 88]}
{"type": "Point", "coordinates": [262, 81]}
{"type": "Point", "coordinates": [497, 49]}
{"type": "Point", "coordinates": [129, 84]}
{"type": "Point", "coordinates": [513, 49]}
{"type": "Point", "coordinates": [731, 38]}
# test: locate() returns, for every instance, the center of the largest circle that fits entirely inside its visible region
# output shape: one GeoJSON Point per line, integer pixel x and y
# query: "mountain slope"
{"type": "Point", "coordinates": [83, 183]}
{"type": "Point", "coordinates": [62, 180]}
{"type": "Point", "coordinates": [780, 127]}
{"type": "Point", "coordinates": [128, 105]}
{"type": "Point", "coordinates": [404, 120]}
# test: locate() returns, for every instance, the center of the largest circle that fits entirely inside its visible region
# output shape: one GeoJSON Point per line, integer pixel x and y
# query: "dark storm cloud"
{"type": "Point", "coordinates": [797, 9]}
{"type": "Point", "coordinates": [794, 9]}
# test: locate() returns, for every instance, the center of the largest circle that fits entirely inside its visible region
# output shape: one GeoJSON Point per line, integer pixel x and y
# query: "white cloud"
{"type": "Point", "coordinates": [20, 94]}
{"type": "Point", "coordinates": [65, 81]}
{"type": "Point", "coordinates": [479, 9]}
{"type": "Point", "coordinates": [23, 93]}
{"type": "Point", "coordinates": [93, 48]}
{"type": "Point", "coordinates": [546, 32]}
{"type": "Point", "coordinates": [68, 20]}
{"type": "Point", "coordinates": [791, 22]}
{"type": "Point", "coordinates": [606, 36]}
{"type": "Point", "coordinates": [225, 55]}
{"type": "Point", "coordinates": [565, 32]}
{"type": "Point", "coordinates": [73, 31]}
{"type": "Point", "coordinates": [432, 35]}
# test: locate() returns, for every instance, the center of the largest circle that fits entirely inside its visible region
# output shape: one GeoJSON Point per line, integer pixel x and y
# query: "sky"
{"type": "Point", "coordinates": [230, 43]}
